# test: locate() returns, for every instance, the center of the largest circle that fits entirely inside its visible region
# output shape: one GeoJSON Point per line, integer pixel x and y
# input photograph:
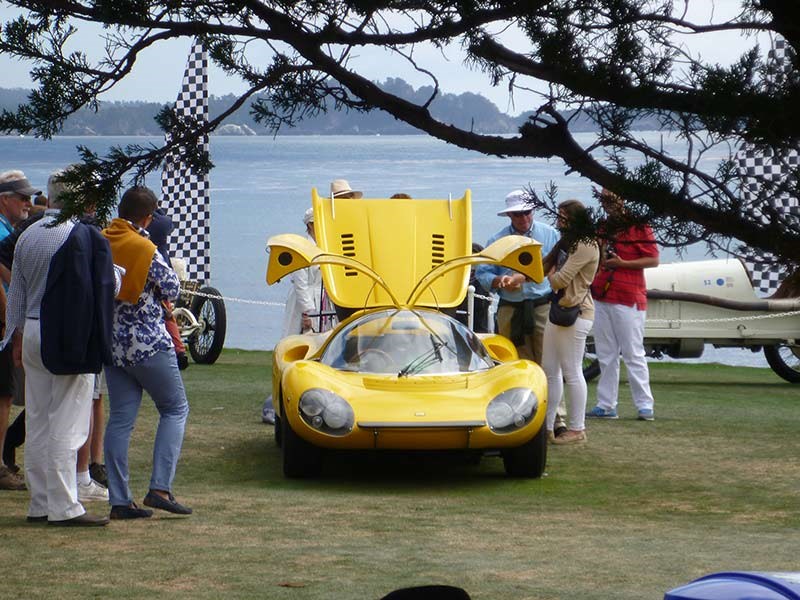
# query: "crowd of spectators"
{"type": "Point", "coordinates": [81, 303]}
{"type": "Point", "coordinates": [78, 304]}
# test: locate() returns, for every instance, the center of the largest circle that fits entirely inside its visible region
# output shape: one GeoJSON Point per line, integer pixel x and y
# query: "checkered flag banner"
{"type": "Point", "coordinates": [763, 170]}
{"type": "Point", "coordinates": [185, 192]}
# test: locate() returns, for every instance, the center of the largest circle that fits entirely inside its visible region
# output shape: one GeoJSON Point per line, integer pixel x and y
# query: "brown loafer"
{"type": "Point", "coordinates": [570, 437]}
{"type": "Point", "coordinates": [84, 520]}
{"type": "Point", "coordinates": [10, 480]}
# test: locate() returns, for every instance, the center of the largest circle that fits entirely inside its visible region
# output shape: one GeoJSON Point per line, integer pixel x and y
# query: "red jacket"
{"type": "Point", "coordinates": [626, 286]}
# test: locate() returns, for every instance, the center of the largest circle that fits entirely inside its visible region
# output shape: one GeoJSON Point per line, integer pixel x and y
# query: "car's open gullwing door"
{"type": "Point", "coordinates": [401, 240]}
{"type": "Point", "coordinates": [400, 252]}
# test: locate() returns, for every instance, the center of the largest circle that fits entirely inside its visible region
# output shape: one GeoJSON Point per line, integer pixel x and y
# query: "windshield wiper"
{"type": "Point", "coordinates": [422, 362]}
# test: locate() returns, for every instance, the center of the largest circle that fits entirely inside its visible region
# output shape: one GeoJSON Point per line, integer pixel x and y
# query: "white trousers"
{"type": "Point", "coordinates": [57, 409]}
{"type": "Point", "coordinates": [619, 330]}
{"type": "Point", "coordinates": [562, 361]}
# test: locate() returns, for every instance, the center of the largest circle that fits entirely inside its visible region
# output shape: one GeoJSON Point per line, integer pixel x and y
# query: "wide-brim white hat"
{"type": "Point", "coordinates": [516, 201]}
{"type": "Point", "coordinates": [340, 186]}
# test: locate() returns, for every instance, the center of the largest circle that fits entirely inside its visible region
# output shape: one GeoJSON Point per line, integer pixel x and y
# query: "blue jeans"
{"type": "Point", "coordinates": [159, 377]}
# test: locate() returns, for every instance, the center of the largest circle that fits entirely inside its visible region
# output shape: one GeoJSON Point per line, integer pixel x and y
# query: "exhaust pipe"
{"type": "Point", "coordinates": [782, 305]}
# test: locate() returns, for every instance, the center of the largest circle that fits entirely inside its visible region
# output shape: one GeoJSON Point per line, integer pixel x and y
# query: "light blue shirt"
{"type": "Point", "coordinates": [546, 235]}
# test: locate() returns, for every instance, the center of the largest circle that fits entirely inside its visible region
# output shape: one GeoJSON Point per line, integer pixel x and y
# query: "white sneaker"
{"type": "Point", "coordinates": [92, 492]}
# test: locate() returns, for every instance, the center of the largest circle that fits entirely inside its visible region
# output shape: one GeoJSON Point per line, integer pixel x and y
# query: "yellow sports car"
{"type": "Point", "coordinates": [401, 374]}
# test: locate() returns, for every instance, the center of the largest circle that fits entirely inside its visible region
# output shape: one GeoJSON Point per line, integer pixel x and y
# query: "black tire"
{"type": "Point", "coordinates": [591, 366]}
{"type": "Point", "coordinates": [278, 432]}
{"type": "Point", "coordinates": [300, 459]}
{"type": "Point", "coordinates": [784, 360]}
{"type": "Point", "coordinates": [205, 346]}
{"type": "Point", "coordinates": [278, 420]}
{"type": "Point", "coordinates": [529, 459]}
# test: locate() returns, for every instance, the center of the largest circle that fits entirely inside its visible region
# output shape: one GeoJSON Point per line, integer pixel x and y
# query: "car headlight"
{"type": "Point", "coordinates": [326, 412]}
{"type": "Point", "coordinates": [511, 410]}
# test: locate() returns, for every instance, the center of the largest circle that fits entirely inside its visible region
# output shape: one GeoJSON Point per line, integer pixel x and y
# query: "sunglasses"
{"type": "Point", "coordinates": [520, 213]}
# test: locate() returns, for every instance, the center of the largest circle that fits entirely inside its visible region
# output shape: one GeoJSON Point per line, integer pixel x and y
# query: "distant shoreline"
{"type": "Point", "coordinates": [467, 111]}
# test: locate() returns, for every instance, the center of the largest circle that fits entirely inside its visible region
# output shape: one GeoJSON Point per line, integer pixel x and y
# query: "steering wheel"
{"type": "Point", "coordinates": [376, 360]}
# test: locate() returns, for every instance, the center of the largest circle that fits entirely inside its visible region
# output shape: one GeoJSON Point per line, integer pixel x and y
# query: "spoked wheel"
{"type": "Point", "coordinates": [591, 366]}
{"type": "Point", "coordinates": [187, 324]}
{"type": "Point", "coordinates": [206, 345]}
{"type": "Point", "coordinates": [529, 459]}
{"type": "Point", "coordinates": [784, 360]}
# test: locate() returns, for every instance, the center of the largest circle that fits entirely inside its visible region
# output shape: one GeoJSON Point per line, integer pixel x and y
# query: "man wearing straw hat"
{"type": "Point", "coordinates": [340, 188]}
{"type": "Point", "coordinates": [524, 305]}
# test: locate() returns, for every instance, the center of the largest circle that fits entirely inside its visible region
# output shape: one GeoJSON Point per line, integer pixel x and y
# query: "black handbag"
{"type": "Point", "coordinates": [563, 316]}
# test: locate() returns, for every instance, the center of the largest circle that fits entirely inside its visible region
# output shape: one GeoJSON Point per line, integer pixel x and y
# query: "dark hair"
{"type": "Point", "coordinates": [137, 203]}
{"type": "Point", "coordinates": [572, 208]}
{"type": "Point", "coordinates": [577, 224]}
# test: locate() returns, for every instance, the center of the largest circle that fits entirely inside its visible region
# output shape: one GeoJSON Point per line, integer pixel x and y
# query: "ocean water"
{"type": "Point", "coordinates": [262, 185]}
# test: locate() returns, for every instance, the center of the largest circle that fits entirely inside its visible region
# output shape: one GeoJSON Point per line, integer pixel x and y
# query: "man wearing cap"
{"type": "Point", "coordinates": [524, 305]}
{"type": "Point", "coordinates": [15, 203]}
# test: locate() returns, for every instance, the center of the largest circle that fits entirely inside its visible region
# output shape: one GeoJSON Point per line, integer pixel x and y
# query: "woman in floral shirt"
{"type": "Point", "coordinates": [143, 360]}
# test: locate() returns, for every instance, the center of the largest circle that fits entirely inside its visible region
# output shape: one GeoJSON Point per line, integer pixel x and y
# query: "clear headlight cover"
{"type": "Point", "coordinates": [511, 410]}
{"type": "Point", "coordinates": [326, 412]}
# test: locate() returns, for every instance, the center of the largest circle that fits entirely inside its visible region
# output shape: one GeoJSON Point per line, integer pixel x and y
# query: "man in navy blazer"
{"type": "Point", "coordinates": [78, 304]}
{"type": "Point", "coordinates": [62, 284]}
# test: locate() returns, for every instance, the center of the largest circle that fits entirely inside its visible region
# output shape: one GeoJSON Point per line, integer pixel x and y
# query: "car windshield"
{"type": "Point", "coordinates": [406, 343]}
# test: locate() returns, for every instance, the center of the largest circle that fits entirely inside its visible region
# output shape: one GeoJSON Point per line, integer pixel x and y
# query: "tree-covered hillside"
{"type": "Point", "coordinates": [466, 111]}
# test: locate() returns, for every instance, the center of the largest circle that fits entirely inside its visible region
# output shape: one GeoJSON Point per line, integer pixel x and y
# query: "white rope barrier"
{"type": "Point", "coordinates": [262, 302]}
{"type": "Point", "coordinates": [232, 299]}
{"type": "Point", "coordinates": [728, 319]}
{"type": "Point", "coordinates": [489, 298]}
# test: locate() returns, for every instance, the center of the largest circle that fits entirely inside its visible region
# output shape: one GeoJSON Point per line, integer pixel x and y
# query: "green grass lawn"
{"type": "Point", "coordinates": [713, 484]}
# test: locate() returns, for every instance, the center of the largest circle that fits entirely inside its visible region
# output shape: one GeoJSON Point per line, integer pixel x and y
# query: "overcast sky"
{"type": "Point", "coordinates": [158, 72]}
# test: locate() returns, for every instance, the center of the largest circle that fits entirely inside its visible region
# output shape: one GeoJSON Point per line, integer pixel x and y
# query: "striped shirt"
{"type": "Point", "coordinates": [32, 256]}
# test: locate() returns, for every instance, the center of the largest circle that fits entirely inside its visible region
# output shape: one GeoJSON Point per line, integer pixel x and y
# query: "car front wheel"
{"type": "Point", "coordinates": [300, 459]}
{"type": "Point", "coordinates": [529, 459]}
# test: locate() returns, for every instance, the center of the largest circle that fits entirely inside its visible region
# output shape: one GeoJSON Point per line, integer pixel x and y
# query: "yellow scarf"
{"type": "Point", "coordinates": [134, 252]}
